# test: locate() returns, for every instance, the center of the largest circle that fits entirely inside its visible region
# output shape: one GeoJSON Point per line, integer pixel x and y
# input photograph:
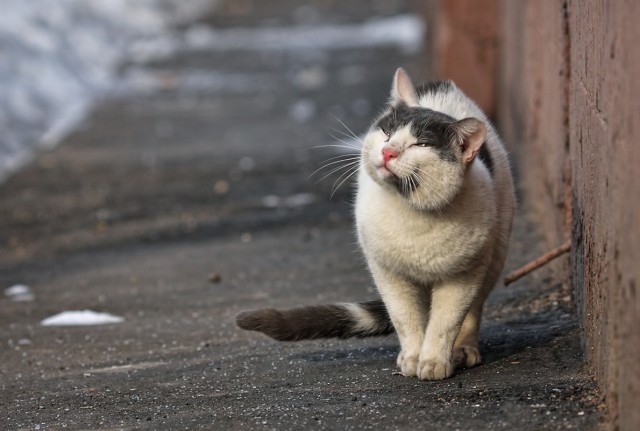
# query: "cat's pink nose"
{"type": "Point", "coordinates": [388, 153]}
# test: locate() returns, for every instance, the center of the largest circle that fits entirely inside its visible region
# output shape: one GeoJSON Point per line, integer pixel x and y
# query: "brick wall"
{"type": "Point", "coordinates": [604, 126]}
{"type": "Point", "coordinates": [566, 93]}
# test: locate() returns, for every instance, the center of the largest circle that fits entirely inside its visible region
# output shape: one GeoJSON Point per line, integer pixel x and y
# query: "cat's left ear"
{"type": "Point", "coordinates": [470, 135]}
{"type": "Point", "coordinates": [403, 89]}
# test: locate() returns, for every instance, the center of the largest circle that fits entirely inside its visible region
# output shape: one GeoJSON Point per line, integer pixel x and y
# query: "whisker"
{"type": "Point", "coordinates": [350, 159]}
{"type": "Point", "coordinates": [350, 142]}
{"type": "Point", "coordinates": [352, 171]}
{"type": "Point", "coordinates": [412, 180]}
{"type": "Point", "coordinates": [346, 174]}
{"type": "Point", "coordinates": [347, 135]}
{"type": "Point", "coordinates": [428, 175]}
{"type": "Point", "coordinates": [346, 127]}
{"type": "Point", "coordinates": [346, 166]}
{"type": "Point", "coordinates": [418, 184]}
{"type": "Point", "coordinates": [430, 188]}
{"type": "Point", "coordinates": [337, 146]}
{"type": "Point", "coordinates": [342, 155]}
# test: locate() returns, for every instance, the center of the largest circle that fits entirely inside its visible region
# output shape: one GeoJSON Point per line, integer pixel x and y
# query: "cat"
{"type": "Point", "coordinates": [434, 210]}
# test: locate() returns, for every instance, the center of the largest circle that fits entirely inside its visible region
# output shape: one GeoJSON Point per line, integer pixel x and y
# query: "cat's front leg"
{"type": "Point", "coordinates": [407, 306]}
{"type": "Point", "coordinates": [465, 348]}
{"type": "Point", "coordinates": [450, 302]}
{"type": "Point", "coordinates": [408, 364]}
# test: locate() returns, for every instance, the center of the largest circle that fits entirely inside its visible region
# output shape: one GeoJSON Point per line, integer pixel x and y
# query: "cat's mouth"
{"type": "Point", "coordinates": [387, 175]}
{"type": "Point", "coordinates": [384, 171]}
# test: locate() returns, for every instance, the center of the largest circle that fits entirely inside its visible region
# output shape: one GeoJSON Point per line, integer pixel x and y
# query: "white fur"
{"type": "Point", "coordinates": [435, 258]}
{"type": "Point", "coordinates": [364, 321]}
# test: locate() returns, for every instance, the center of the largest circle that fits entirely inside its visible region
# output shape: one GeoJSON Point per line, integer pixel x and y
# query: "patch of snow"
{"type": "Point", "coordinates": [18, 289]}
{"type": "Point", "coordinates": [19, 292]}
{"type": "Point", "coordinates": [81, 318]}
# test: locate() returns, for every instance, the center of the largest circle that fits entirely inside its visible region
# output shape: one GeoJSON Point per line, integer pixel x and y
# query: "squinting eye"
{"type": "Point", "coordinates": [384, 131]}
{"type": "Point", "coordinates": [423, 144]}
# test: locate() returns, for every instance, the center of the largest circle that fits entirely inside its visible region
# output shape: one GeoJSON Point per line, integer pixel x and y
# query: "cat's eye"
{"type": "Point", "coordinates": [385, 132]}
{"type": "Point", "coordinates": [423, 144]}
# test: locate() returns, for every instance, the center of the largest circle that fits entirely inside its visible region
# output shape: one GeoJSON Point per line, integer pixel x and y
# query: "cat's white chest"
{"type": "Point", "coordinates": [418, 245]}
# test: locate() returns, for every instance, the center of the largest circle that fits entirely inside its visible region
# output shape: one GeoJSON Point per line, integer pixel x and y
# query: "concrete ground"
{"type": "Point", "coordinates": [181, 205]}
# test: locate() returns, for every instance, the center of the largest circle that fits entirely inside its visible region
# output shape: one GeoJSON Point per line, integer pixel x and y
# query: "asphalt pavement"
{"type": "Point", "coordinates": [187, 197]}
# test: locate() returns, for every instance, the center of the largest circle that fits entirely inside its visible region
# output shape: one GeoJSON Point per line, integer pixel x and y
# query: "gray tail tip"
{"type": "Point", "coordinates": [258, 320]}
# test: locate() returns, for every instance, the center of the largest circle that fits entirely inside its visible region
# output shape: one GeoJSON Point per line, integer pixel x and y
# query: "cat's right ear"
{"type": "Point", "coordinates": [403, 90]}
{"type": "Point", "coordinates": [470, 134]}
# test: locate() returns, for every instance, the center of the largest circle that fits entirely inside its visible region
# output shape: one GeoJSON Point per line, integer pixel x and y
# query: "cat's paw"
{"type": "Point", "coordinates": [408, 364]}
{"type": "Point", "coordinates": [466, 356]}
{"type": "Point", "coordinates": [433, 369]}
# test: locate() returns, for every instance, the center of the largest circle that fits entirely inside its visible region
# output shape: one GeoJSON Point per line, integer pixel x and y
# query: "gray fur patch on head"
{"type": "Point", "coordinates": [427, 126]}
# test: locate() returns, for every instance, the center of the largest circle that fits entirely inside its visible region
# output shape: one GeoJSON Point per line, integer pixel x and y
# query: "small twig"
{"type": "Point", "coordinates": [542, 260]}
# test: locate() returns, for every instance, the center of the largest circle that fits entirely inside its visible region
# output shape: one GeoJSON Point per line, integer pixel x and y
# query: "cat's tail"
{"type": "Point", "coordinates": [365, 319]}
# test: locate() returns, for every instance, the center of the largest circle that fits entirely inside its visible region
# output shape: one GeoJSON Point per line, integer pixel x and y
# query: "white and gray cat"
{"type": "Point", "coordinates": [434, 210]}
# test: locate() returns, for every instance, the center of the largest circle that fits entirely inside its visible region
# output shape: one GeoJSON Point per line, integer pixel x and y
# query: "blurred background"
{"type": "Point", "coordinates": [62, 57]}
{"type": "Point", "coordinates": [161, 169]}
{"type": "Point", "coordinates": [58, 57]}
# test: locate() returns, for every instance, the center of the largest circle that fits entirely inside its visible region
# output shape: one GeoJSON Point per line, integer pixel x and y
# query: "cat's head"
{"type": "Point", "coordinates": [419, 153]}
